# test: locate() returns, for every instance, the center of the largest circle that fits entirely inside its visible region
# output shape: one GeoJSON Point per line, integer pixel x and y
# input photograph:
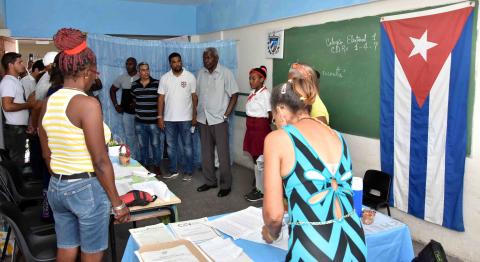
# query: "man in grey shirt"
{"type": "Point", "coordinates": [126, 105]}
{"type": "Point", "coordinates": [217, 93]}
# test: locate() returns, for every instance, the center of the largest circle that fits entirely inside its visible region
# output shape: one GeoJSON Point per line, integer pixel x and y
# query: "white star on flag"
{"type": "Point", "coordinates": [421, 45]}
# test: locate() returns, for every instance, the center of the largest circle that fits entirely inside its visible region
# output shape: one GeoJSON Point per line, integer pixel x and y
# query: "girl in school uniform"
{"type": "Point", "coordinates": [259, 117]}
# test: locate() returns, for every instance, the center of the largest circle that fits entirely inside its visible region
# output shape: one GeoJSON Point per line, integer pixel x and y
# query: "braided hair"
{"type": "Point", "coordinates": [72, 62]}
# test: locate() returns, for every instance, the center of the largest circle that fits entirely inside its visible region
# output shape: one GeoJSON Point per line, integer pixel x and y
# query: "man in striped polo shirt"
{"type": "Point", "coordinates": [150, 137]}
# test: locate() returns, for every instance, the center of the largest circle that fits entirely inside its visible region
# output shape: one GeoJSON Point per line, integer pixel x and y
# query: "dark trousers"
{"type": "Point", "coordinates": [39, 167]}
{"type": "Point", "coordinates": [211, 136]}
{"type": "Point", "coordinates": [15, 141]}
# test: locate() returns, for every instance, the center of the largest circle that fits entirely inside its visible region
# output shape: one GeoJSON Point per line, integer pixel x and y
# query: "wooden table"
{"type": "Point", "coordinates": [158, 208]}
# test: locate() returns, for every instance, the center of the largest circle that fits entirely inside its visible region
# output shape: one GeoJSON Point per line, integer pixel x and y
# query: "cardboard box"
{"type": "Point", "coordinates": [194, 250]}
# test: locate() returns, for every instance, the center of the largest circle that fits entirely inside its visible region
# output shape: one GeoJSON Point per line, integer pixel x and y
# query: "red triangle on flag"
{"type": "Point", "coordinates": [422, 44]}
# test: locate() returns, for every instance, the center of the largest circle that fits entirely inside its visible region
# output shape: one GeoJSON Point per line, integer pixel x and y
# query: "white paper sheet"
{"type": "Point", "coordinates": [155, 187]}
{"type": "Point", "coordinates": [241, 223]}
{"type": "Point", "coordinates": [281, 242]}
{"type": "Point", "coordinates": [178, 253]}
{"type": "Point", "coordinates": [121, 171]}
{"type": "Point", "coordinates": [247, 224]}
{"type": "Point", "coordinates": [223, 250]}
{"type": "Point", "coordinates": [197, 230]}
{"type": "Point", "coordinates": [113, 151]}
{"type": "Point", "coordinates": [153, 234]}
{"type": "Point", "coordinates": [123, 186]}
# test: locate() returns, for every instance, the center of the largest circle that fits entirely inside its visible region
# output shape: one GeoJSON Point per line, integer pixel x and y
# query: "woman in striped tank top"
{"type": "Point", "coordinates": [312, 162]}
{"type": "Point", "coordinates": [81, 191]}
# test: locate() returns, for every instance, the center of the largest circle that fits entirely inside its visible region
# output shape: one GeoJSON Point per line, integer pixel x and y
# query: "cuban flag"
{"type": "Point", "coordinates": [425, 71]}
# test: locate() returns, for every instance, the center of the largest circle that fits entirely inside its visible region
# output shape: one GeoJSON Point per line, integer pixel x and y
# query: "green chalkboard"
{"type": "Point", "coordinates": [347, 56]}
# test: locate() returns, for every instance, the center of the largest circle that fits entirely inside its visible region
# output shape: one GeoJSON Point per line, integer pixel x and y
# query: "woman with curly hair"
{"type": "Point", "coordinates": [81, 191]}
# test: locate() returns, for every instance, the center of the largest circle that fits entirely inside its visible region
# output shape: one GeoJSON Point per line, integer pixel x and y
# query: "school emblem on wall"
{"type": "Point", "coordinates": [183, 84]}
{"type": "Point", "coordinates": [274, 41]}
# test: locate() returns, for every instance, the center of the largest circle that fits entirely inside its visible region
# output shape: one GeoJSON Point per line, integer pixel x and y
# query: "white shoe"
{"type": "Point", "coordinates": [170, 175]}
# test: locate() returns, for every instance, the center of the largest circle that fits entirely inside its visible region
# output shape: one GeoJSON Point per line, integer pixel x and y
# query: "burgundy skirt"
{"type": "Point", "coordinates": [257, 130]}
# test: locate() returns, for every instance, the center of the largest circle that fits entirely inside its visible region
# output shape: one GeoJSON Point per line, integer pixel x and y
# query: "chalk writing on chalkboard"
{"type": "Point", "coordinates": [352, 43]}
{"type": "Point", "coordinates": [339, 72]}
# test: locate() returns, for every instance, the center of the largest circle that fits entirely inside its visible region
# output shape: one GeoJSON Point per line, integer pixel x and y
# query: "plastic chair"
{"type": "Point", "coordinates": [376, 189]}
{"type": "Point", "coordinates": [29, 209]}
{"type": "Point", "coordinates": [35, 245]}
{"type": "Point", "coordinates": [21, 190]}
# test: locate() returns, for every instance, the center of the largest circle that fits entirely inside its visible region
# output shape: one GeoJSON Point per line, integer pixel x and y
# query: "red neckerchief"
{"type": "Point", "coordinates": [250, 97]}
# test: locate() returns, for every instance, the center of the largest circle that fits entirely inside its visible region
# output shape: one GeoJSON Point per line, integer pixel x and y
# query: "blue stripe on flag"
{"type": "Point", "coordinates": [455, 151]}
{"type": "Point", "coordinates": [418, 157]}
{"type": "Point", "coordinates": [387, 62]}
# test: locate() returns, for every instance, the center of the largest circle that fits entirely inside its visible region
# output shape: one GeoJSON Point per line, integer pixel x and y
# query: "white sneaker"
{"type": "Point", "coordinates": [170, 175]}
{"type": "Point", "coordinates": [187, 178]}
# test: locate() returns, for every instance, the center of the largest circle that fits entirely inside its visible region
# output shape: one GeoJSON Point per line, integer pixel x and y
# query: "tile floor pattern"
{"type": "Point", "coordinates": [196, 205]}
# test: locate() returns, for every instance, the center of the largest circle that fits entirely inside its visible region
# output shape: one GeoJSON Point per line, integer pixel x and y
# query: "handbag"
{"type": "Point", "coordinates": [432, 252]}
{"type": "Point", "coordinates": [137, 198]}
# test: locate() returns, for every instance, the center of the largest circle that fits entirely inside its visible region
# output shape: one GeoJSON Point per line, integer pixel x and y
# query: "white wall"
{"type": "Point", "coordinates": [366, 151]}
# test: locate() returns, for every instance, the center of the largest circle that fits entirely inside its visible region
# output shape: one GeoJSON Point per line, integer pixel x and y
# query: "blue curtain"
{"type": "Point", "coordinates": [113, 51]}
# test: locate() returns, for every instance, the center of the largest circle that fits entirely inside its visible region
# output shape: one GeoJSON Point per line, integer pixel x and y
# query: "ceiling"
{"type": "Point", "coordinates": [173, 2]}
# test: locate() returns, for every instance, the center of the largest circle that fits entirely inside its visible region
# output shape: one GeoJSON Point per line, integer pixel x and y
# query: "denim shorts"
{"type": "Point", "coordinates": [81, 210]}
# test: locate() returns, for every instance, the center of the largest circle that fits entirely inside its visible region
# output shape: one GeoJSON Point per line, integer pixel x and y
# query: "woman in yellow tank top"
{"type": "Point", "coordinates": [73, 136]}
{"type": "Point", "coordinates": [303, 71]}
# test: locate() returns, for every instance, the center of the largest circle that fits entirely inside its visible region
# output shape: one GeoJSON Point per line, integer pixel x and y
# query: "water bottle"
{"type": "Point", "coordinates": [357, 187]}
{"type": "Point", "coordinates": [259, 174]}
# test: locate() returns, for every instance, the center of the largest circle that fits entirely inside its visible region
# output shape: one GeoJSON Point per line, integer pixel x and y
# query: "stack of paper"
{"type": "Point", "coordinates": [223, 250]}
{"type": "Point", "coordinates": [197, 230]}
{"type": "Point", "coordinates": [247, 224]}
{"type": "Point", "coordinates": [241, 223]}
{"type": "Point", "coordinates": [149, 235]}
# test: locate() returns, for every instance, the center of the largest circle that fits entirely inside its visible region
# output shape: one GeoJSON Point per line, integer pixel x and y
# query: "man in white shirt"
{"type": "Point", "coordinates": [177, 115]}
{"type": "Point", "coordinates": [15, 107]}
{"type": "Point", "coordinates": [43, 84]}
{"type": "Point", "coordinates": [30, 81]}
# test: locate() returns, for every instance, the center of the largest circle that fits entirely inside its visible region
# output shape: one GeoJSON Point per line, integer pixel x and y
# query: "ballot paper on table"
{"type": "Point", "coordinates": [241, 223]}
{"type": "Point", "coordinates": [281, 242]}
{"type": "Point", "coordinates": [223, 250]}
{"type": "Point", "coordinates": [197, 230]}
{"type": "Point", "coordinates": [247, 224]}
{"type": "Point", "coordinates": [150, 235]}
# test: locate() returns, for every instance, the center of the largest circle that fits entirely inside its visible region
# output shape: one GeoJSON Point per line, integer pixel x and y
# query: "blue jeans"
{"type": "Point", "coordinates": [82, 211]}
{"type": "Point", "coordinates": [150, 139]}
{"type": "Point", "coordinates": [128, 121]}
{"type": "Point", "coordinates": [174, 132]}
{"type": "Point", "coordinates": [196, 149]}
